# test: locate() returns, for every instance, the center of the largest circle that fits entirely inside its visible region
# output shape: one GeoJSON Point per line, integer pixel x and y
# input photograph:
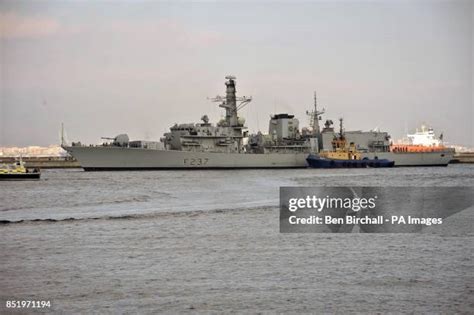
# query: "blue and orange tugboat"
{"type": "Point", "coordinates": [343, 156]}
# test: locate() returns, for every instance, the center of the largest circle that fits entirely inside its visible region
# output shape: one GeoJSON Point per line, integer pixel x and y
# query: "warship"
{"type": "Point", "coordinates": [228, 144]}
{"type": "Point", "coordinates": [206, 146]}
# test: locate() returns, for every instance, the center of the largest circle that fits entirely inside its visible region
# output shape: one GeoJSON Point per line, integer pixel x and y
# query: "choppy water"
{"type": "Point", "coordinates": [208, 241]}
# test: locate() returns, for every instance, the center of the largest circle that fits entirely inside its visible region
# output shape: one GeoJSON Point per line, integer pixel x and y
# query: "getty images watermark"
{"type": "Point", "coordinates": [369, 209]}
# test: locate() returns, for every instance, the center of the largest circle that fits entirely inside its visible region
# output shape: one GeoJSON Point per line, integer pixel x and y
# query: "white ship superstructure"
{"type": "Point", "coordinates": [425, 137]}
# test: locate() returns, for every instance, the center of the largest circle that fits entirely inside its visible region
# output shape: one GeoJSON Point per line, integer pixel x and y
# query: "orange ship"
{"type": "Point", "coordinates": [416, 148]}
{"type": "Point", "coordinates": [423, 140]}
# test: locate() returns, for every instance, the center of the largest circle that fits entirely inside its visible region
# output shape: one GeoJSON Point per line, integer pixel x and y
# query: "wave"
{"type": "Point", "coordinates": [138, 198]}
{"type": "Point", "coordinates": [155, 215]}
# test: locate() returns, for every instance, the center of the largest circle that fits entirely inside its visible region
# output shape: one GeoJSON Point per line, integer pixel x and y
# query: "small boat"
{"type": "Point", "coordinates": [18, 171]}
{"type": "Point", "coordinates": [343, 156]}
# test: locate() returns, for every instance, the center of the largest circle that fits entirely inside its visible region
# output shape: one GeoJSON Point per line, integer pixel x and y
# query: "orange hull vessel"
{"type": "Point", "coordinates": [415, 148]}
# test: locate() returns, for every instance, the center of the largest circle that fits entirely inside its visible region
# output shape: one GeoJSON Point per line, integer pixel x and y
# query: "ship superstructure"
{"type": "Point", "coordinates": [224, 137]}
{"type": "Point", "coordinates": [425, 137]}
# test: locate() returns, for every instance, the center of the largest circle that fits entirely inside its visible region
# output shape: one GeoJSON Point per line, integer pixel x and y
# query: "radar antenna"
{"type": "Point", "coordinates": [244, 100]}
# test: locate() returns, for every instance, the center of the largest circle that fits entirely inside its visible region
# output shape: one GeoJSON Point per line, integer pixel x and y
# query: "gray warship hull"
{"type": "Point", "coordinates": [116, 158]}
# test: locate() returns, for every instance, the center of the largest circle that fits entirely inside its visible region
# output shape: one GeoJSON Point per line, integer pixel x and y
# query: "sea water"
{"type": "Point", "coordinates": [209, 241]}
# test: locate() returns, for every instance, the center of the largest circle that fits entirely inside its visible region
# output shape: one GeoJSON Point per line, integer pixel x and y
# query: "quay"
{"type": "Point", "coordinates": [464, 157]}
{"type": "Point", "coordinates": [44, 162]}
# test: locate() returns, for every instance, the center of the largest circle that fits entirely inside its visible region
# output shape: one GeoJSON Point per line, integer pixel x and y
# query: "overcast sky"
{"type": "Point", "coordinates": [105, 68]}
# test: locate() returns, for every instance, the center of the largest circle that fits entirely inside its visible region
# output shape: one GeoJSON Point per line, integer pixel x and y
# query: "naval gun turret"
{"type": "Point", "coordinates": [121, 140]}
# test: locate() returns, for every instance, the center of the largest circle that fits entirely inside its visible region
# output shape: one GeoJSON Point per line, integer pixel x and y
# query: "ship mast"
{"type": "Point", "coordinates": [230, 102]}
{"type": "Point", "coordinates": [63, 141]}
{"type": "Point", "coordinates": [341, 129]}
{"type": "Point", "coordinates": [339, 142]}
{"type": "Point", "coordinates": [315, 117]}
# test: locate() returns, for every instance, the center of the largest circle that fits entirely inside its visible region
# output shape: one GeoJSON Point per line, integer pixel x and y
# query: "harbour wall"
{"type": "Point", "coordinates": [44, 162]}
{"type": "Point", "coordinates": [464, 157]}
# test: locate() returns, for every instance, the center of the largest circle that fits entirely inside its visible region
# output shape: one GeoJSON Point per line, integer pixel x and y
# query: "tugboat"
{"type": "Point", "coordinates": [18, 171]}
{"type": "Point", "coordinates": [343, 156]}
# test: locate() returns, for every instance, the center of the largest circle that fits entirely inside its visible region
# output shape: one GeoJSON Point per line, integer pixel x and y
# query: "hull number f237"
{"type": "Point", "coordinates": [196, 161]}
